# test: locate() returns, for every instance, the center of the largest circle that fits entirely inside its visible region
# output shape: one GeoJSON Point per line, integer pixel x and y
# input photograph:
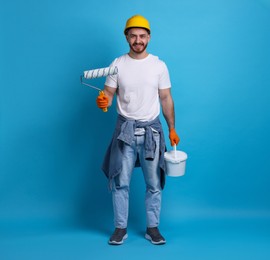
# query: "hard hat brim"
{"type": "Point", "coordinates": [127, 29]}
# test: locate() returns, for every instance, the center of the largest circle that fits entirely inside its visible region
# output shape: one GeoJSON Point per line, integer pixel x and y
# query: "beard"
{"type": "Point", "coordinates": [138, 47]}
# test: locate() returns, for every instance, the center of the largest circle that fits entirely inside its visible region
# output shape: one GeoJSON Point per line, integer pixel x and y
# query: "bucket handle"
{"type": "Point", "coordinates": [174, 148]}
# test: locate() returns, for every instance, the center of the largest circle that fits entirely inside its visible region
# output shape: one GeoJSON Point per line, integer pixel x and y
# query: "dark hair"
{"type": "Point", "coordinates": [126, 31]}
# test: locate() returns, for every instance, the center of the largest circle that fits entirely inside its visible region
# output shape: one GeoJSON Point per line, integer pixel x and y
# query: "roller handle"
{"type": "Point", "coordinates": [102, 94]}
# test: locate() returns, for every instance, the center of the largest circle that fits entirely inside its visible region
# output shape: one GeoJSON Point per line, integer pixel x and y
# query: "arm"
{"type": "Point", "coordinates": [109, 92]}
{"type": "Point", "coordinates": [167, 107]}
{"type": "Point", "coordinates": [168, 112]}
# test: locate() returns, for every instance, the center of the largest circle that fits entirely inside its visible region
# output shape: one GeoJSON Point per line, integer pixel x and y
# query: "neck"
{"type": "Point", "coordinates": [137, 56]}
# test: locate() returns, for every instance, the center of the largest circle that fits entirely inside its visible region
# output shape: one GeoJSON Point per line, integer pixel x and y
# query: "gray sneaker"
{"type": "Point", "coordinates": [154, 236]}
{"type": "Point", "coordinates": [118, 236]}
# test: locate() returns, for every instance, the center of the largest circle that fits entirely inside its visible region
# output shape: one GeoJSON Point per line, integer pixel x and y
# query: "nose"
{"type": "Point", "coordinates": [137, 40]}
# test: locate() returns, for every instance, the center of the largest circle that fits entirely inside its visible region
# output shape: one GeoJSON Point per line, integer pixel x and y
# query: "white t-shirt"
{"type": "Point", "coordinates": [137, 83]}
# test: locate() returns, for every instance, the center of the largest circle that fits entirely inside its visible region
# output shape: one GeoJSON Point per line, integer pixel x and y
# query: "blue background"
{"type": "Point", "coordinates": [53, 137]}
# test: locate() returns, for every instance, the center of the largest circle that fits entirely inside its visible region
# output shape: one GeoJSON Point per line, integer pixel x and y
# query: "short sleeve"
{"type": "Point", "coordinates": [164, 79]}
{"type": "Point", "coordinates": [111, 80]}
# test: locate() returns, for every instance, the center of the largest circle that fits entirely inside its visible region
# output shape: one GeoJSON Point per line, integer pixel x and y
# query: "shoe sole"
{"type": "Point", "coordinates": [161, 242]}
{"type": "Point", "coordinates": [120, 242]}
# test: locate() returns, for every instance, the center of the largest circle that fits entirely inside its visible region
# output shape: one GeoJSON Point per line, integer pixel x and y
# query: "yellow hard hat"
{"type": "Point", "coordinates": [137, 21]}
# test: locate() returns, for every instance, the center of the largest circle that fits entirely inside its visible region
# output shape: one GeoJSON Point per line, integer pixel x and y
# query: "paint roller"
{"type": "Point", "coordinates": [98, 73]}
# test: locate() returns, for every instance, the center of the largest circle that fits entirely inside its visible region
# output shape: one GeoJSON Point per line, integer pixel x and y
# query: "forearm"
{"type": "Point", "coordinates": [109, 92]}
{"type": "Point", "coordinates": [168, 111]}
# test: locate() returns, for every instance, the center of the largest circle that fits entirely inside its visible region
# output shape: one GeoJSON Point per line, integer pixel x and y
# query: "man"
{"type": "Point", "coordinates": [141, 85]}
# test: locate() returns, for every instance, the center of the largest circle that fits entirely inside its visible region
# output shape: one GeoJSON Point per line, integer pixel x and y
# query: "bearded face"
{"type": "Point", "coordinates": [138, 39]}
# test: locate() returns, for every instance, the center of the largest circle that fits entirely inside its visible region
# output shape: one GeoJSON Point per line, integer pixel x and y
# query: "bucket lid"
{"type": "Point", "coordinates": [175, 156]}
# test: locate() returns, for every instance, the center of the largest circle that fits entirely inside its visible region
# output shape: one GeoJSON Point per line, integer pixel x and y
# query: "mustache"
{"type": "Point", "coordinates": [135, 44]}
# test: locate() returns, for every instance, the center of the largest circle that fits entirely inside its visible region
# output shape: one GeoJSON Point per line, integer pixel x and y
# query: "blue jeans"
{"type": "Point", "coordinates": [151, 172]}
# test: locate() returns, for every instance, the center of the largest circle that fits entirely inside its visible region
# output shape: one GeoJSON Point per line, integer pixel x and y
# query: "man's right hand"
{"type": "Point", "coordinates": [102, 101]}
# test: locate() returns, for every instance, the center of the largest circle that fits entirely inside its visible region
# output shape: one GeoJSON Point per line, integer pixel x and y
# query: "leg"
{"type": "Point", "coordinates": [153, 188]}
{"type": "Point", "coordinates": [120, 191]}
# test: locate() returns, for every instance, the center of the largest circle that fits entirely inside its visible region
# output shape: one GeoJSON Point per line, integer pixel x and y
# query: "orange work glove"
{"type": "Point", "coordinates": [102, 101]}
{"type": "Point", "coordinates": [174, 137]}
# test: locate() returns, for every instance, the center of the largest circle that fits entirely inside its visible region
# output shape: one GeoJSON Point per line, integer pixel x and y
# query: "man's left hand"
{"type": "Point", "coordinates": [174, 138]}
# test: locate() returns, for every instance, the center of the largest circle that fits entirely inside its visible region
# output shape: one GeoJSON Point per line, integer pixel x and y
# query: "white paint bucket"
{"type": "Point", "coordinates": [175, 162]}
